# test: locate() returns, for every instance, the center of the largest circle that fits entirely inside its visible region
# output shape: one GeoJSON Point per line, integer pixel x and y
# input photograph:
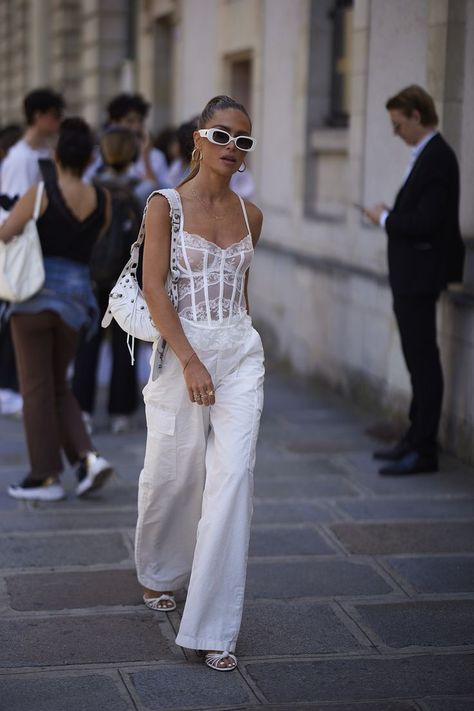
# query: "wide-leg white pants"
{"type": "Point", "coordinates": [196, 486]}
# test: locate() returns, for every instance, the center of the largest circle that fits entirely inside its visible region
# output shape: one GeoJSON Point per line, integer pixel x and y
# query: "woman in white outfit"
{"type": "Point", "coordinates": [203, 411]}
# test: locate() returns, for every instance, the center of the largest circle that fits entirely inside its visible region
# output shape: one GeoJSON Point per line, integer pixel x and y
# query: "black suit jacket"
{"type": "Point", "coordinates": [425, 248]}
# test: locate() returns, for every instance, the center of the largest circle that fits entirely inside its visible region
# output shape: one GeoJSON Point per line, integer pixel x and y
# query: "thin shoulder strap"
{"type": "Point", "coordinates": [39, 195]}
{"type": "Point", "coordinates": [244, 210]}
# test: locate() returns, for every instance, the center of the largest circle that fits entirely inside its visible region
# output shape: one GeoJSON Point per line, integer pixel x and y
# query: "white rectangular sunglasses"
{"type": "Point", "coordinates": [222, 138]}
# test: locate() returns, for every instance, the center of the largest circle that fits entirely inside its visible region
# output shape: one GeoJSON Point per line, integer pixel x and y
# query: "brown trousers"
{"type": "Point", "coordinates": [44, 347]}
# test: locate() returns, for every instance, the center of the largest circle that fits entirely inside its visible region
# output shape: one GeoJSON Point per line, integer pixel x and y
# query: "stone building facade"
{"type": "Point", "coordinates": [315, 75]}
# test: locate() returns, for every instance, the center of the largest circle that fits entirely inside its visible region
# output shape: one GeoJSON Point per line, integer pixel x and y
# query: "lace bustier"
{"type": "Point", "coordinates": [211, 282]}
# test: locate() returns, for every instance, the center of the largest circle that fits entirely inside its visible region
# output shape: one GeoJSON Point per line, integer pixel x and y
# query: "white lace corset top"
{"type": "Point", "coordinates": [211, 281]}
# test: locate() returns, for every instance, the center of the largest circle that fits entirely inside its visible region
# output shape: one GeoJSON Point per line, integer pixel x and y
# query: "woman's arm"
{"type": "Point", "coordinates": [156, 260]}
{"type": "Point", "coordinates": [19, 216]}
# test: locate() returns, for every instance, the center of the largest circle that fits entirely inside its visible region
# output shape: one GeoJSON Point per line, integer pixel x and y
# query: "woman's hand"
{"type": "Point", "coordinates": [199, 382]}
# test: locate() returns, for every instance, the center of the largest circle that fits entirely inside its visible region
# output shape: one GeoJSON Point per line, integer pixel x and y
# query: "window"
{"type": "Point", "coordinates": [328, 109]}
{"type": "Point", "coordinates": [341, 17]}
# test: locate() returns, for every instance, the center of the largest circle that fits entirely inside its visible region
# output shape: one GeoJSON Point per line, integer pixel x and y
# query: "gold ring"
{"type": "Point", "coordinates": [210, 393]}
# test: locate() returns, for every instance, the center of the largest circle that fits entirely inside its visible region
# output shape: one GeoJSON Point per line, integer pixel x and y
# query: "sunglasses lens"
{"type": "Point", "coordinates": [244, 143]}
{"type": "Point", "coordinates": [220, 137]}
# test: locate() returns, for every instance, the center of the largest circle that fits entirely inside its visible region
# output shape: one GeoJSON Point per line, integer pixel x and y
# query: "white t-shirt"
{"type": "Point", "coordinates": [20, 170]}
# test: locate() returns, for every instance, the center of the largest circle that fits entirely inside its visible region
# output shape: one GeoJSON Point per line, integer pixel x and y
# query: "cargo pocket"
{"type": "Point", "coordinates": [161, 451]}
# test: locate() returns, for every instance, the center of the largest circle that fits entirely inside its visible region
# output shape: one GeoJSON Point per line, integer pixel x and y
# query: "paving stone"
{"type": "Point", "coordinates": [392, 509]}
{"type": "Point", "coordinates": [314, 417]}
{"type": "Point", "coordinates": [91, 639]}
{"type": "Point", "coordinates": [308, 487]}
{"type": "Point", "coordinates": [92, 692]}
{"type": "Point", "coordinates": [283, 628]}
{"type": "Point", "coordinates": [57, 520]}
{"type": "Point", "coordinates": [450, 703]}
{"type": "Point", "coordinates": [333, 438]}
{"type": "Point", "coordinates": [370, 679]}
{"type": "Point", "coordinates": [431, 623]}
{"type": "Point", "coordinates": [452, 479]}
{"type": "Point", "coordinates": [317, 578]}
{"type": "Point", "coordinates": [274, 463]}
{"type": "Point", "coordinates": [377, 706]}
{"type": "Point", "coordinates": [394, 538]}
{"type": "Point", "coordinates": [110, 497]}
{"type": "Point", "coordinates": [61, 549]}
{"type": "Point", "coordinates": [274, 541]}
{"type": "Point", "coordinates": [61, 591]}
{"type": "Point", "coordinates": [6, 502]}
{"type": "Point", "coordinates": [292, 512]}
{"type": "Point", "coordinates": [189, 685]}
{"type": "Point", "coordinates": [453, 574]}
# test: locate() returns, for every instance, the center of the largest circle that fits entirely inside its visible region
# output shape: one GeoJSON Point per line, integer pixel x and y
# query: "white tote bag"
{"type": "Point", "coordinates": [21, 260]}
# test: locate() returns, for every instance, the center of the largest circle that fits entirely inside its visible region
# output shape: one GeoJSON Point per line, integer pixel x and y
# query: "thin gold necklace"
{"type": "Point", "coordinates": [195, 195]}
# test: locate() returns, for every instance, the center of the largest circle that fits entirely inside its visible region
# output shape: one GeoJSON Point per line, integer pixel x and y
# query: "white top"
{"type": "Point", "coordinates": [20, 170]}
{"type": "Point", "coordinates": [211, 282]}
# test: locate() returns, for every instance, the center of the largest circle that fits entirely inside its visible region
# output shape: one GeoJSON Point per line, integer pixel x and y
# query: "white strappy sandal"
{"type": "Point", "coordinates": [212, 660]}
{"type": "Point", "coordinates": [154, 603]}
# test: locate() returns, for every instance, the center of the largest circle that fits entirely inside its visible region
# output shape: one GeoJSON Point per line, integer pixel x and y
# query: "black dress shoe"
{"type": "Point", "coordinates": [401, 448]}
{"type": "Point", "coordinates": [411, 463]}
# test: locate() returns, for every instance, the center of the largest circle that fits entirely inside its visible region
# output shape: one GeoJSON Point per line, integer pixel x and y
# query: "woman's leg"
{"type": "Point", "coordinates": [123, 392]}
{"type": "Point", "coordinates": [74, 437]}
{"type": "Point", "coordinates": [213, 610]}
{"type": "Point", "coordinates": [33, 338]}
{"type": "Point", "coordinates": [85, 371]}
{"type": "Point", "coordinates": [171, 482]}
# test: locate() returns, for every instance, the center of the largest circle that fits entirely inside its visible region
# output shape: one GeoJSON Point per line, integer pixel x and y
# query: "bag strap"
{"type": "Point", "coordinates": [39, 195]}
{"type": "Point", "coordinates": [175, 213]}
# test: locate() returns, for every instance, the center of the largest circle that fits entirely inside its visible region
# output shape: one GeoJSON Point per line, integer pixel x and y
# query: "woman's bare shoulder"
{"type": "Point", "coordinates": [158, 205]}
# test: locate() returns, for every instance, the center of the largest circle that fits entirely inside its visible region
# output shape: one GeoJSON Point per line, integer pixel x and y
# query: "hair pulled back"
{"type": "Point", "coordinates": [75, 145]}
{"type": "Point", "coordinates": [217, 103]}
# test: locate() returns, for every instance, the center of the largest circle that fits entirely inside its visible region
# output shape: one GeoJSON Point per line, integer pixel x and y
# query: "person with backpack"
{"type": "Point", "coordinates": [119, 149]}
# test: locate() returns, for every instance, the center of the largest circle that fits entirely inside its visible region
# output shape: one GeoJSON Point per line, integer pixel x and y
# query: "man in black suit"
{"type": "Point", "coordinates": [425, 254]}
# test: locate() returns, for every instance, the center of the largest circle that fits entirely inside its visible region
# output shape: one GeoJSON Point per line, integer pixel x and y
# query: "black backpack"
{"type": "Point", "coordinates": [113, 249]}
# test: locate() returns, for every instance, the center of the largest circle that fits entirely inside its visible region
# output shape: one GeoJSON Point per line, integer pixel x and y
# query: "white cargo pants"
{"type": "Point", "coordinates": [196, 486]}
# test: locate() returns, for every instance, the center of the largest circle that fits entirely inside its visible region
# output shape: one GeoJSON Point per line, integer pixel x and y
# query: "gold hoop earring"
{"type": "Point", "coordinates": [245, 168]}
{"type": "Point", "coordinates": [196, 155]}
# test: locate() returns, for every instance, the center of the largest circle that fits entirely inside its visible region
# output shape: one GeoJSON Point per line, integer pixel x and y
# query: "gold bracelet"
{"type": "Point", "coordinates": [187, 362]}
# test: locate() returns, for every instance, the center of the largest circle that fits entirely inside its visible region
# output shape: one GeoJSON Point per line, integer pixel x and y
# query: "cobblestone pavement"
{"type": "Point", "coordinates": [360, 591]}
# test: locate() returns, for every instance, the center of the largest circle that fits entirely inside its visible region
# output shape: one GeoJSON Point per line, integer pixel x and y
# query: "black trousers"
{"type": "Point", "coordinates": [123, 386]}
{"type": "Point", "coordinates": [8, 376]}
{"type": "Point", "coordinates": [416, 319]}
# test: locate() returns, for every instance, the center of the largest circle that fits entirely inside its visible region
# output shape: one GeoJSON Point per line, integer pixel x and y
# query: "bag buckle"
{"type": "Point", "coordinates": [176, 220]}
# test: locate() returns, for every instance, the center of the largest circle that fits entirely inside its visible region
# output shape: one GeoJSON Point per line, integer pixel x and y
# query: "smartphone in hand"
{"type": "Point", "coordinates": [359, 206]}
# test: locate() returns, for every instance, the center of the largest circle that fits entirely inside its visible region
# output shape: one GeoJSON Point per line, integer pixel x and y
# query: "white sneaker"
{"type": "Point", "coordinates": [120, 424]}
{"type": "Point", "coordinates": [48, 490]}
{"type": "Point", "coordinates": [11, 403]}
{"type": "Point", "coordinates": [92, 473]}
